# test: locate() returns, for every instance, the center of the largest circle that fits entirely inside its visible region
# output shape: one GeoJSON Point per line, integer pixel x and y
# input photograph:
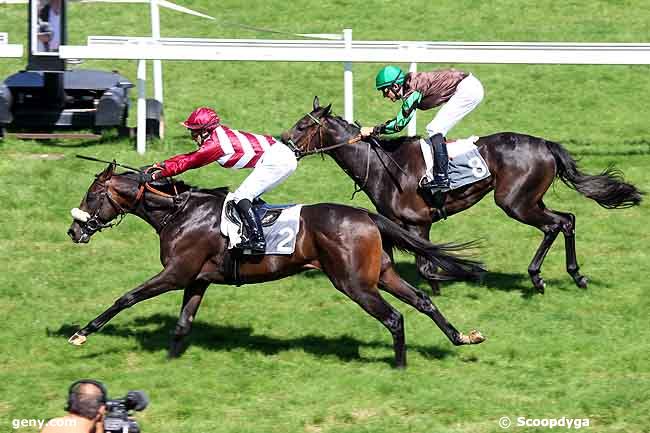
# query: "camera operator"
{"type": "Point", "coordinates": [86, 408]}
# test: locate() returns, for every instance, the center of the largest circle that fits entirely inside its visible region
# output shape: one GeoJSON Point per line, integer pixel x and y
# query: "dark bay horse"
{"type": "Point", "coordinates": [522, 167]}
{"type": "Point", "coordinates": [344, 242]}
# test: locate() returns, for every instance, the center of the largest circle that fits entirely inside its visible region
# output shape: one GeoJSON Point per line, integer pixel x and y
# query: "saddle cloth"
{"type": "Point", "coordinates": [279, 223]}
{"type": "Point", "coordinates": [466, 165]}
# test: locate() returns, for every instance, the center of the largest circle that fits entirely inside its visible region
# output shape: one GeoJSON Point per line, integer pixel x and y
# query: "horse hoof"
{"type": "Point", "coordinates": [582, 282]}
{"type": "Point", "coordinates": [475, 337]}
{"type": "Point", "coordinates": [538, 283]}
{"type": "Point", "coordinates": [77, 339]}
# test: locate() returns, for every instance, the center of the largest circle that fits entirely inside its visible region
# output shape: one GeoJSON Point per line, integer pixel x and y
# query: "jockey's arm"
{"type": "Point", "coordinates": [403, 117]}
{"type": "Point", "coordinates": [207, 153]}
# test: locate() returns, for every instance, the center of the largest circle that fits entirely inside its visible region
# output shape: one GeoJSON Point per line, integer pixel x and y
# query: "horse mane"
{"type": "Point", "coordinates": [167, 186]}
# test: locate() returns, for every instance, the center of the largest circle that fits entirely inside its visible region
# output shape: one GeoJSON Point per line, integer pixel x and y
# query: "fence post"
{"type": "Point", "coordinates": [413, 124]}
{"type": "Point", "coordinates": [348, 92]}
{"type": "Point", "coordinates": [141, 138]}
{"type": "Point", "coordinates": [157, 64]}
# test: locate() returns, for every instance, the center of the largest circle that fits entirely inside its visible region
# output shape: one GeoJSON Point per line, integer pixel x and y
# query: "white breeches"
{"type": "Point", "coordinates": [469, 94]}
{"type": "Point", "coordinates": [274, 166]}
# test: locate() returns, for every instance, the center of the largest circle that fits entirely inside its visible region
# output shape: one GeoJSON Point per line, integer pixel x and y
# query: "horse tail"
{"type": "Point", "coordinates": [442, 255]}
{"type": "Point", "coordinates": [608, 188]}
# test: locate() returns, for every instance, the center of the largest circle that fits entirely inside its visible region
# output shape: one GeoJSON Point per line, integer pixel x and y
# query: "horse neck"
{"type": "Point", "coordinates": [153, 209]}
{"type": "Point", "coordinates": [364, 166]}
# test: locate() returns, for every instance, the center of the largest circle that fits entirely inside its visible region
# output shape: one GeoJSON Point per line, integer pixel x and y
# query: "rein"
{"type": "Point", "coordinates": [371, 143]}
{"type": "Point", "coordinates": [302, 153]}
{"type": "Point", "coordinates": [333, 146]}
{"type": "Point", "coordinates": [94, 224]}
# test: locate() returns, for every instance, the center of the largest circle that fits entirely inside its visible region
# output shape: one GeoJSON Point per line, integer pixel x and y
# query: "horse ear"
{"type": "Point", "coordinates": [316, 103]}
{"type": "Point", "coordinates": [328, 110]}
{"type": "Point", "coordinates": [108, 172]}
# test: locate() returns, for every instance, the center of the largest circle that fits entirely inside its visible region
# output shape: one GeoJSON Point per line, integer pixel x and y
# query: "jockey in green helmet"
{"type": "Point", "coordinates": [459, 91]}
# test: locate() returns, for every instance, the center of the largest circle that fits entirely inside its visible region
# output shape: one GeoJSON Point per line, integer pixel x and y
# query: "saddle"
{"type": "Point", "coordinates": [466, 166]}
{"type": "Point", "coordinates": [280, 224]}
{"type": "Point", "coordinates": [268, 213]}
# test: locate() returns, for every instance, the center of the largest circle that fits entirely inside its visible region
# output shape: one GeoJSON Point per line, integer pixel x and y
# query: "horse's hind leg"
{"type": "Point", "coordinates": [371, 301]}
{"type": "Point", "coordinates": [391, 282]}
{"type": "Point", "coordinates": [358, 280]}
{"type": "Point", "coordinates": [534, 269]}
{"type": "Point", "coordinates": [191, 301]}
{"type": "Point", "coordinates": [523, 202]}
{"type": "Point", "coordinates": [569, 231]}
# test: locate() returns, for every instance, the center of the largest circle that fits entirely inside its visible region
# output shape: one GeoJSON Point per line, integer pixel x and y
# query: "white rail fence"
{"type": "Point", "coordinates": [347, 51]}
{"type": "Point", "coordinates": [7, 49]}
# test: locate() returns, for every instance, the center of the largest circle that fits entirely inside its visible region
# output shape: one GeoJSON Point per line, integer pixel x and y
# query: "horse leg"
{"type": "Point", "coordinates": [192, 298]}
{"type": "Point", "coordinates": [424, 266]}
{"type": "Point", "coordinates": [534, 269]}
{"type": "Point", "coordinates": [392, 283]}
{"type": "Point", "coordinates": [536, 215]}
{"type": "Point", "coordinates": [161, 283]}
{"type": "Point", "coordinates": [569, 231]}
{"type": "Point", "coordinates": [371, 301]}
{"type": "Point", "coordinates": [358, 284]}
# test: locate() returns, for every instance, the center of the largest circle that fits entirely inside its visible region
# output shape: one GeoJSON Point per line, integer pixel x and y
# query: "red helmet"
{"type": "Point", "coordinates": [202, 118]}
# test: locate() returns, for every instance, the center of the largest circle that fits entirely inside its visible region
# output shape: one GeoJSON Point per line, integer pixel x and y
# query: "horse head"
{"type": "Point", "coordinates": [318, 130]}
{"type": "Point", "coordinates": [108, 197]}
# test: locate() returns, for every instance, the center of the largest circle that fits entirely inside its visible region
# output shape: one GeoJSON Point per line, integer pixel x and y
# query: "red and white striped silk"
{"type": "Point", "coordinates": [241, 149]}
{"type": "Point", "coordinates": [229, 147]}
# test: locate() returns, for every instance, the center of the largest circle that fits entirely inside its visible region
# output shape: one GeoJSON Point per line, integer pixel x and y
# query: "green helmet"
{"type": "Point", "coordinates": [388, 75]}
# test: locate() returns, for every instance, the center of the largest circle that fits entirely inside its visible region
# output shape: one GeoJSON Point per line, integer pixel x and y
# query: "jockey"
{"type": "Point", "coordinates": [271, 160]}
{"type": "Point", "coordinates": [459, 91]}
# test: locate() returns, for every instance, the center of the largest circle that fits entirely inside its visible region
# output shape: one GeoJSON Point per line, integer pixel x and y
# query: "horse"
{"type": "Point", "coordinates": [346, 243]}
{"type": "Point", "coordinates": [522, 169]}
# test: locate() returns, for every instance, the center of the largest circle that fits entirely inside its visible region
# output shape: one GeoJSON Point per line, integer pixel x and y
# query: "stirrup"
{"type": "Point", "coordinates": [442, 185]}
{"type": "Point", "coordinates": [249, 247]}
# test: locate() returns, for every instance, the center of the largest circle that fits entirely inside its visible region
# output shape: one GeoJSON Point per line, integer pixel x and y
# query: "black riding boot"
{"type": "Point", "coordinates": [440, 180]}
{"type": "Point", "coordinates": [256, 242]}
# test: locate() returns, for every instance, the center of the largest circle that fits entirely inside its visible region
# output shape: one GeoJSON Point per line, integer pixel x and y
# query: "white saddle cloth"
{"type": "Point", "coordinates": [280, 236]}
{"type": "Point", "coordinates": [454, 149]}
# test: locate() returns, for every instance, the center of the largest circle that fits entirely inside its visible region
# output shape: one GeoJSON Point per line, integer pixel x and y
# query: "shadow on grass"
{"type": "Point", "coordinates": [227, 338]}
{"type": "Point", "coordinates": [508, 282]}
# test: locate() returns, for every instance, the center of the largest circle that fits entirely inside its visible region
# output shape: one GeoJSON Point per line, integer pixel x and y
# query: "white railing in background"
{"type": "Point", "coordinates": [349, 51]}
{"type": "Point", "coordinates": [7, 49]}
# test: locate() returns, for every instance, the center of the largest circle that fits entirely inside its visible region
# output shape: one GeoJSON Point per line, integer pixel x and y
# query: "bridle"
{"type": "Point", "coordinates": [300, 153]}
{"type": "Point", "coordinates": [94, 223]}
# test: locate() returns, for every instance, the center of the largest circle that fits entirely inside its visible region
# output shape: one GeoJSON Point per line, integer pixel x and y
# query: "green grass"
{"type": "Point", "coordinates": [295, 355]}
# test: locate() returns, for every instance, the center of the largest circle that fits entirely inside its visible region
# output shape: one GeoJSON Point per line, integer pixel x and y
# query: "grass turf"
{"type": "Point", "coordinates": [295, 355]}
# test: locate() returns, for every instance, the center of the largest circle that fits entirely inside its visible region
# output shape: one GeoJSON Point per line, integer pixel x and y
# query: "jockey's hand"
{"type": "Point", "coordinates": [367, 131]}
{"type": "Point", "coordinates": [151, 174]}
{"type": "Point", "coordinates": [147, 177]}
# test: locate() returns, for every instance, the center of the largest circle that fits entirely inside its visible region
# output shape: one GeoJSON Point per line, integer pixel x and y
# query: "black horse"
{"type": "Point", "coordinates": [344, 242]}
{"type": "Point", "coordinates": [522, 167]}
